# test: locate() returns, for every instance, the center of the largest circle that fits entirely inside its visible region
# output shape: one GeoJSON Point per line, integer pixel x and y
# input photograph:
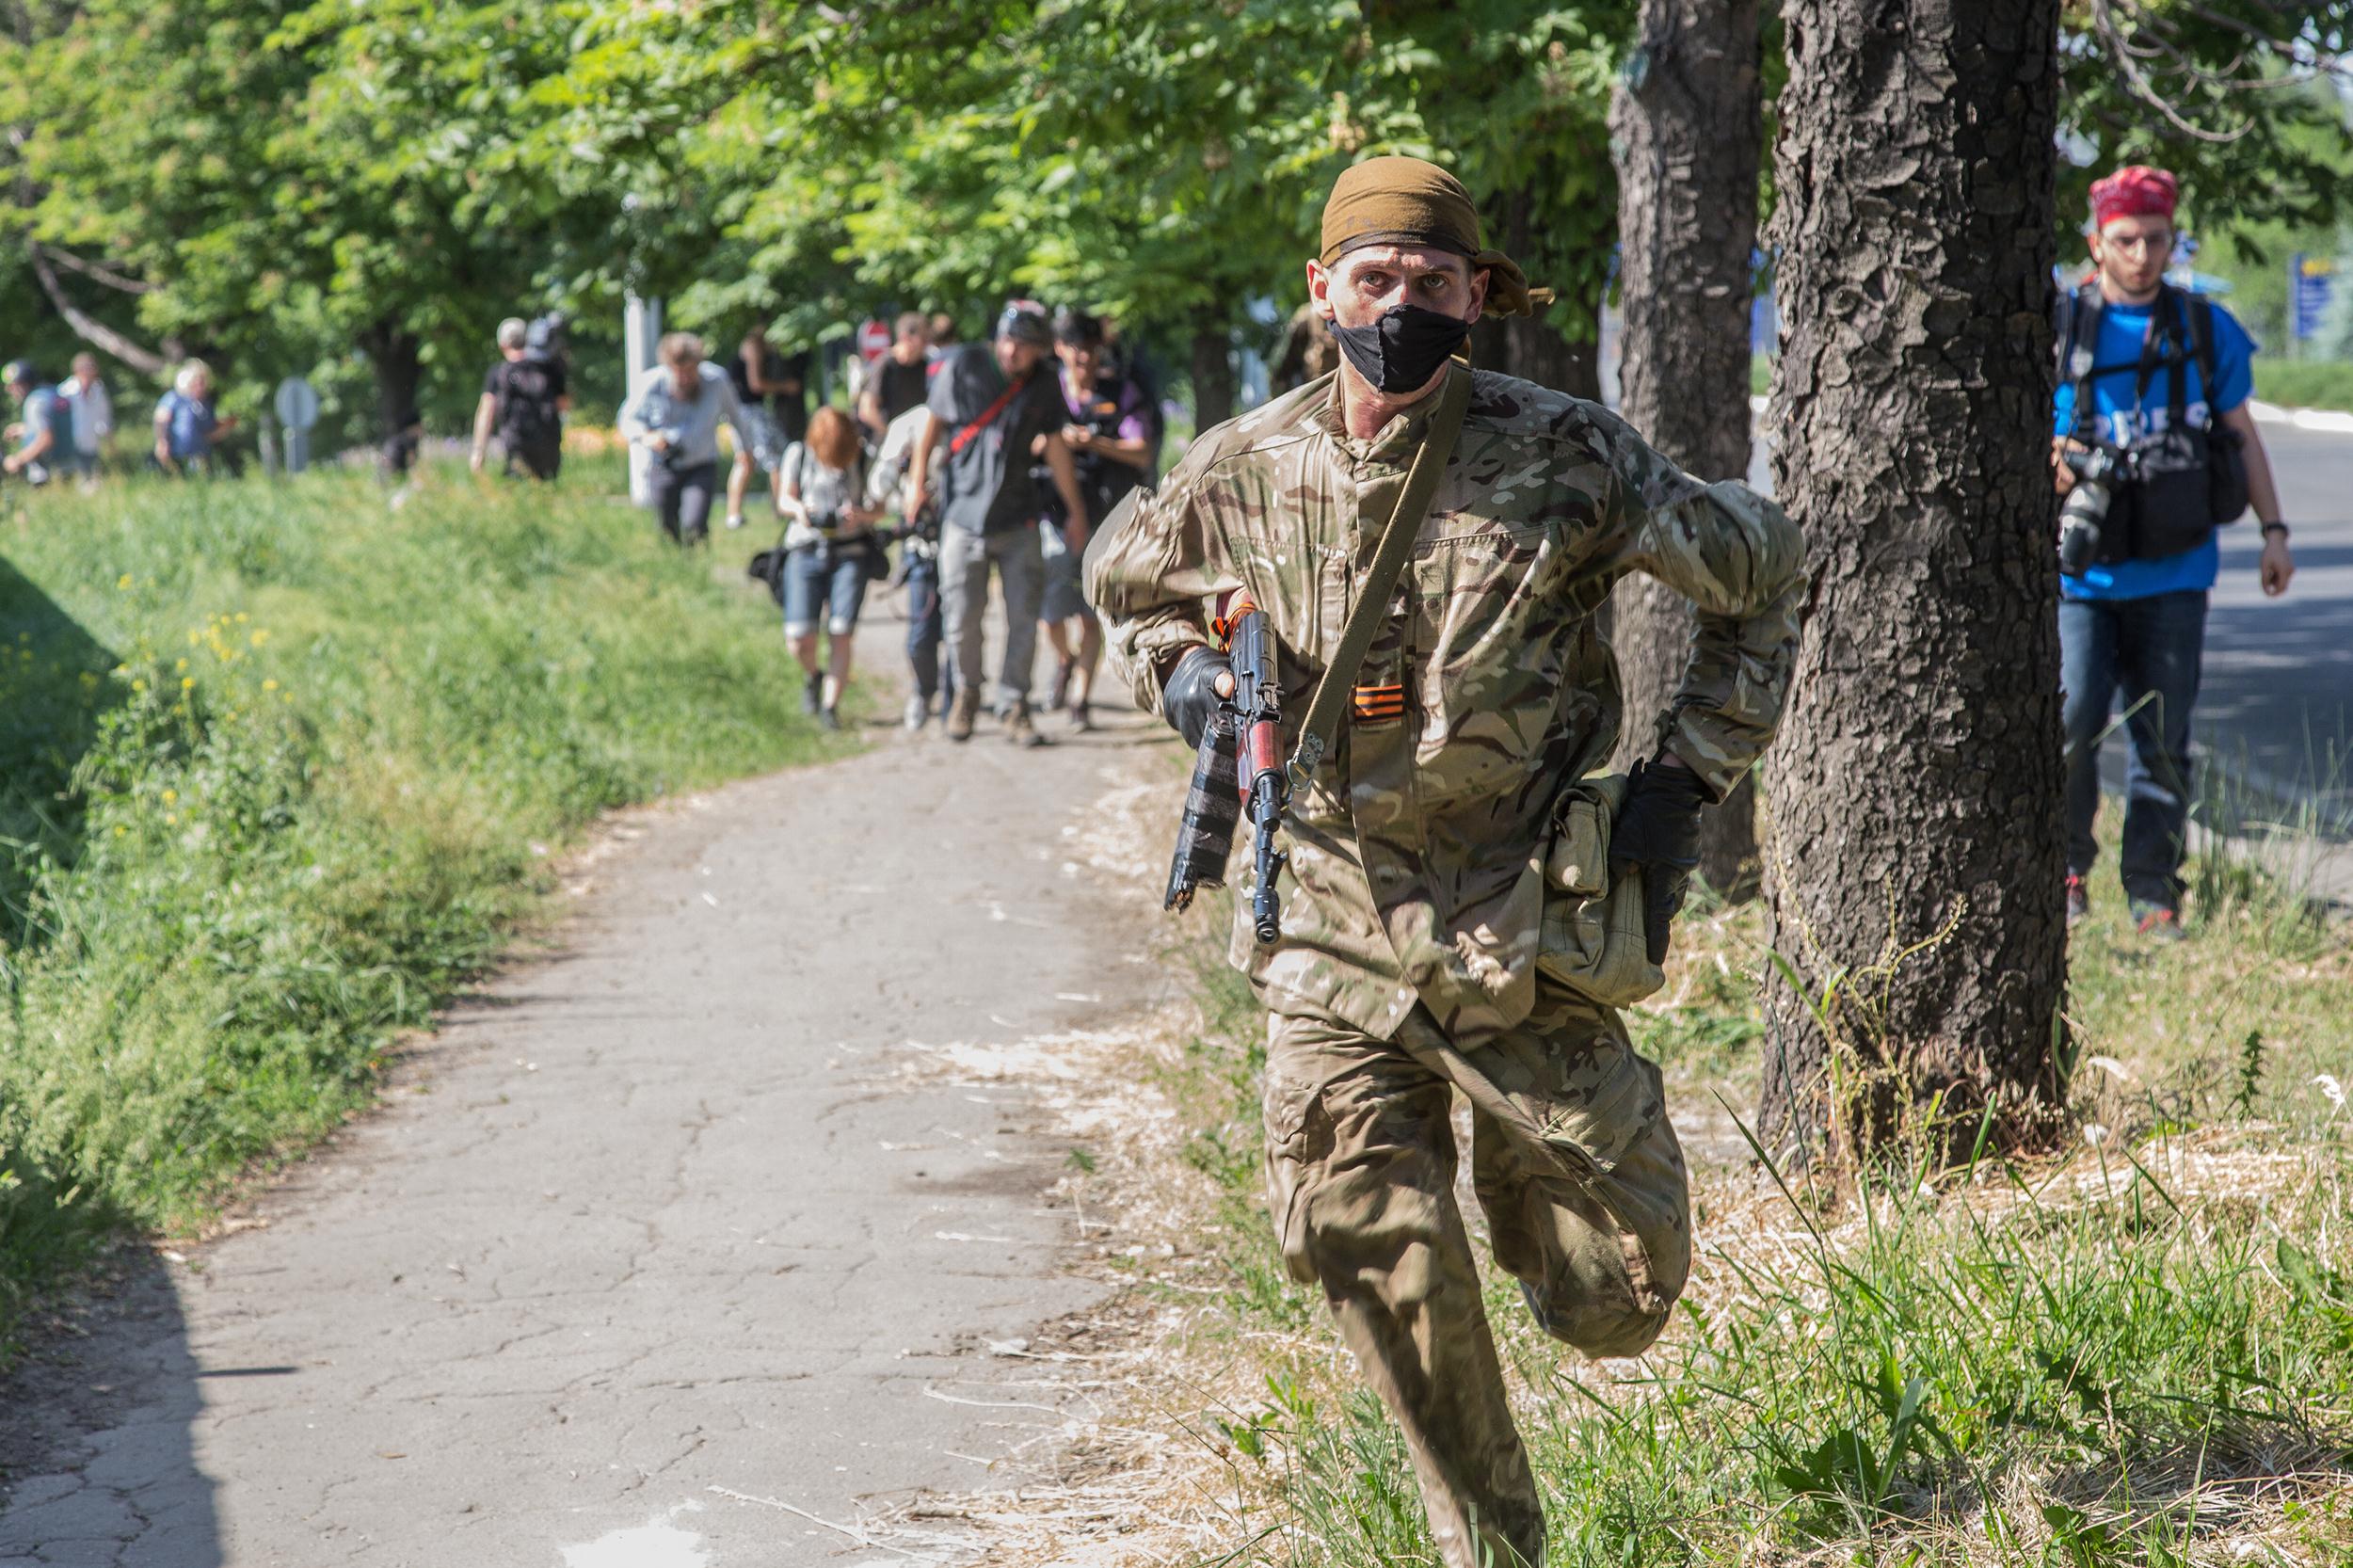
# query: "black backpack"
{"type": "Point", "coordinates": [528, 417]}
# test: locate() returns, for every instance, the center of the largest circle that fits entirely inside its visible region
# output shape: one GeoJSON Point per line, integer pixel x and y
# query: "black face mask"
{"type": "Point", "coordinates": [1403, 349]}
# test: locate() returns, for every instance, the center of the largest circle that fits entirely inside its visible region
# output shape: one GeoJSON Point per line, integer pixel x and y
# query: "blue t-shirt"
{"type": "Point", "coordinates": [45, 410]}
{"type": "Point", "coordinates": [190, 427]}
{"type": "Point", "coordinates": [2121, 328]}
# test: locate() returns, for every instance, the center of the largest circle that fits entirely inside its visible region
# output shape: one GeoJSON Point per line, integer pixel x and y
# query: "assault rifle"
{"type": "Point", "coordinates": [1241, 761]}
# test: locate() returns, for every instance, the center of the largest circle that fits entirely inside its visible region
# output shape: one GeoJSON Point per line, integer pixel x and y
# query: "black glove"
{"type": "Point", "coordinates": [1658, 829]}
{"type": "Point", "coordinates": [1189, 697]}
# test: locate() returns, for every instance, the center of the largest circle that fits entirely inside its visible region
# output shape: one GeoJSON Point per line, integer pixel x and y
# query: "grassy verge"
{"type": "Point", "coordinates": [279, 765]}
{"type": "Point", "coordinates": [2304, 383]}
{"type": "Point", "coordinates": [2140, 1352]}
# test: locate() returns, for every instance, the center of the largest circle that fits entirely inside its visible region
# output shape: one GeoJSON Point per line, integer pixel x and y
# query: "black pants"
{"type": "Point", "coordinates": [539, 459]}
{"type": "Point", "coordinates": [681, 499]}
{"type": "Point", "coordinates": [933, 678]}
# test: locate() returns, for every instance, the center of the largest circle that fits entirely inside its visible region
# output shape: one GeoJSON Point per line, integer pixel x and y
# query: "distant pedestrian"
{"type": "Point", "coordinates": [2154, 384]}
{"type": "Point", "coordinates": [187, 425]}
{"type": "Point", "coordinates": [830, 555]}
{"type": "Point", "coordinates": [44, 434]}
{"type": "Point", "coordinates": [1108, 427]}
{"type": "Point", "coordinates": [94, 414]}
{"type": "Point", "coordinates": [900, 379]}
{"type": "Point", "coordinates": [525, 394]}
{"type": "Point", "coordinates": [994, 407]}
{"type": "Point", "coordinates": [757, 373]}
{"type": "Point", "coordinates": [675, 412]}
{"type": "Point", "coordinates": [888, 486]}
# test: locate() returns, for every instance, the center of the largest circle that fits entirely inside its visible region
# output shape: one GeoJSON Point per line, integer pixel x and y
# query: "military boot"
{"type": "Point", "coordinates": [960, 716]}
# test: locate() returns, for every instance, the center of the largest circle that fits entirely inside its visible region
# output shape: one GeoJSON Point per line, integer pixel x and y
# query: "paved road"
{"type": "Point", "coordinates": [660, 1214]}
{"type": "Point", "coordinates": [2278, 682]}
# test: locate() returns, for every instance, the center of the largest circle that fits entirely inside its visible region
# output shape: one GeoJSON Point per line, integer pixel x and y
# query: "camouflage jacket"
{"type": "Point", "coordinates": [1417, 851]}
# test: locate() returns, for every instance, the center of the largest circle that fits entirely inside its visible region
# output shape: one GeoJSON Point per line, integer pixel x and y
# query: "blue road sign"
{"type": "Point", "coordinates": [2310, 280]}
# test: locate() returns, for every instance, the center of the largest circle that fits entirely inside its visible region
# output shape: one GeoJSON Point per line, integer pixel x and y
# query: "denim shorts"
{"type": "Point", "coordinates": [767, 441]}
{"type": "Point", "coordinates": [828, 574]}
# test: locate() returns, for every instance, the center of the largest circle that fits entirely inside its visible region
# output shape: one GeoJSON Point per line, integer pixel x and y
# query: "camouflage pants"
{"type": "Point", "coordinates": [1583, 1186]}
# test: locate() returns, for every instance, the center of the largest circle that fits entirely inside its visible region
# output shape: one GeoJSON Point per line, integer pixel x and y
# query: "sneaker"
{"type": "Point", "coordinates": [735, 519]}
{"type": "Point", "coordinates": [828, 719]}
{"type": "Point", "coordinates": [812, 694]}
{"type": "Point", "coordinates": [1080, 720]}
{"type": "Point", "coordinates": [960, 716]}
{"type": "Point", "coordinates": [2078, 901]}
{"type": "Point", "coordinates": [1019, 730]}
{"type": "Point", "coordinates": [1056, 692]}
{"type": "Point", "coordinates": [2158, 922]}
{"type": "Point", "coordinates": [919, 713]}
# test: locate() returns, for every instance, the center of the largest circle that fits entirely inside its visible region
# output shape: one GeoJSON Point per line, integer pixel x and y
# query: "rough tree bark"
{"type": "Point", "coordinates": [1686, 130]}
{"type": "Point", "coordinates": [1917, 781]}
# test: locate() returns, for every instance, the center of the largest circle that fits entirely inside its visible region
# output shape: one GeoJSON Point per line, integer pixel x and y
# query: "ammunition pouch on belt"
{"type": "Point", "coordinates": [1592, 939]}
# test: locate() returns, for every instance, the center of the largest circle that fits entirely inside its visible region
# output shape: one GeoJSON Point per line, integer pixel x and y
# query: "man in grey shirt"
{"type": "Point", "coordinates": [674, 412]}
{"type": "Point", "coordinates": [996, 411]}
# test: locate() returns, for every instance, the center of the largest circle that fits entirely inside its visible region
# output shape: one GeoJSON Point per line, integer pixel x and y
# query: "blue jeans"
{"type": "Point", "coordinates": [2146, 652]}
{"type": "Point", "coordinates": [827, 577]}
{"type": "Point", "coordinates": [926, 628]}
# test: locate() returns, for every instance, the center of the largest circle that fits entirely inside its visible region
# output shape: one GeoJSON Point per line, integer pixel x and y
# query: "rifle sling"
{"type": "Point", "coordinates": [1322, 725]}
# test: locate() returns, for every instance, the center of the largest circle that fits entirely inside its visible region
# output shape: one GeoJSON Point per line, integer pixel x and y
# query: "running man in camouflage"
{"type": "Point", "coordinates": [1417, 946]}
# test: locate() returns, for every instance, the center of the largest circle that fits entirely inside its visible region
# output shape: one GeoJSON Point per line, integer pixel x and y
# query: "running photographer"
{"type": "Point", "coordinates": [674, 411]}
{"type": "Point", "coordinates": [47, 431]}
{"type": "Point", "coordinates": [830, 554]}
{"type": "Point", "coordinates": [524, 396]}
{"type": "Point", "coordinates": [1108, 429]}
{"type": "Point", "coordinates": [990, 406]}
{"type": "Point", "coordinates": [2153, 448]}
{"type": "Point", "coordinates": [888, 486]}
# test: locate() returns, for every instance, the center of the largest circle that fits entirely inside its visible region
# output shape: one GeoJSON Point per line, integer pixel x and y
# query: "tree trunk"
{"type": "Point", "coordinates": [1687, 127]}
{"type": "Point", "coordinates": [392, 353]}
{"type": "Point", "coordinates": [1915, 884]}
{"type": "Point", "coordinates": [1530, 347]}
{"type": "Point", "coordinates": [1212, 377]}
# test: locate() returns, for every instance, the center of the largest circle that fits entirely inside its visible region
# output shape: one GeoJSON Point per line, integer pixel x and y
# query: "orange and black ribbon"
{"type": "Point", "coordinates": [1377, 704]}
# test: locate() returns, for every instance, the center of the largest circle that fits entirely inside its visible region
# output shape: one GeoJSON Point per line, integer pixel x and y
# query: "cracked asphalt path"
{"type": "Point", "coordinates": [672, 1209]}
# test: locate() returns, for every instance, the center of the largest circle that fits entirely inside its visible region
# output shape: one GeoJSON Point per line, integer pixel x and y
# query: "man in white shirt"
{"type": "Point", "coordinates": [93, 412]}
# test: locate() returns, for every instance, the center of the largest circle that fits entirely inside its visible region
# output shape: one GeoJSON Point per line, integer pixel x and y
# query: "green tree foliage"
{"type": "Point", "coordinates": [277, 183]}
{"type": "Point", "coordinates": [2236, 97]}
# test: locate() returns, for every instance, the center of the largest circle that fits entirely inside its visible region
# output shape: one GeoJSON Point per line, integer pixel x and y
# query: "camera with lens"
{"type": "Point", "coordinates": [2098, 470]}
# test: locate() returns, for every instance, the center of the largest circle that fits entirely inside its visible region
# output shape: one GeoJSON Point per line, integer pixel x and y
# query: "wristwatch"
{"type": "Point", "coordinates": [2275, 527]}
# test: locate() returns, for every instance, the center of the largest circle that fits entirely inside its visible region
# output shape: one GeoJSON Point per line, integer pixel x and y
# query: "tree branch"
{"type": "Point", "coordinates": [94, 270]}
{"type": "Point", "coordinates": [87, 328]}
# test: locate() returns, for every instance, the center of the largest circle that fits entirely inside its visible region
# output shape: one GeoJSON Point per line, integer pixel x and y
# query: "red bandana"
{"type": "Point", "coordinates": [2134, 191]}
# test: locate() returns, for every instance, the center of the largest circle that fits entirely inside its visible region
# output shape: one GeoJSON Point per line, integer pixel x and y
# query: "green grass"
{"type": "Point", "coordinates": [279, 767]}
{"type": "Point", "coordinates": [2138, 1353]}
{"type": "Point", "coordinates": [2304, 383]}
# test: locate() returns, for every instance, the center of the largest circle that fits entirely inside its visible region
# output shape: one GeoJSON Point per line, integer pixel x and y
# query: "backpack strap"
{"type": "Point", "coordinates": [964, 437]}
{"type": "Point", "coordinates": [2202, 345]}
{"type": "Point", "coordinates": [1322, 725]}
{"type": "Point", "coordinates": [2079, 350]}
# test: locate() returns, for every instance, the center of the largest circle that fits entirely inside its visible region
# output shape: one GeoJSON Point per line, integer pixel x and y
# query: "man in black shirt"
{"type": "Point", "coordinates": [993, 408]}
{"type": "Point", "coordinates": [902, 377]}
{"type": "Point", "coordinates": [523, 399]}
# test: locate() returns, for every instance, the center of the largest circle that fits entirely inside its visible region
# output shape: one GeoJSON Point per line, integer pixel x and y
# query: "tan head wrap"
{"type": "Point", "coordinates": [1397, 200]}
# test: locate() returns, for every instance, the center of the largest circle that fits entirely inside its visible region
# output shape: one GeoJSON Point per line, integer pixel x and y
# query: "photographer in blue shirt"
{"type": "Point", "coordinates": [2153, 448]}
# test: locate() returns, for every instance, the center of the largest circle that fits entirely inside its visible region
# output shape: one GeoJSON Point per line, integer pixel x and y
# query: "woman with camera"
{"type": "Point", "coordinates": [830, 554]}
